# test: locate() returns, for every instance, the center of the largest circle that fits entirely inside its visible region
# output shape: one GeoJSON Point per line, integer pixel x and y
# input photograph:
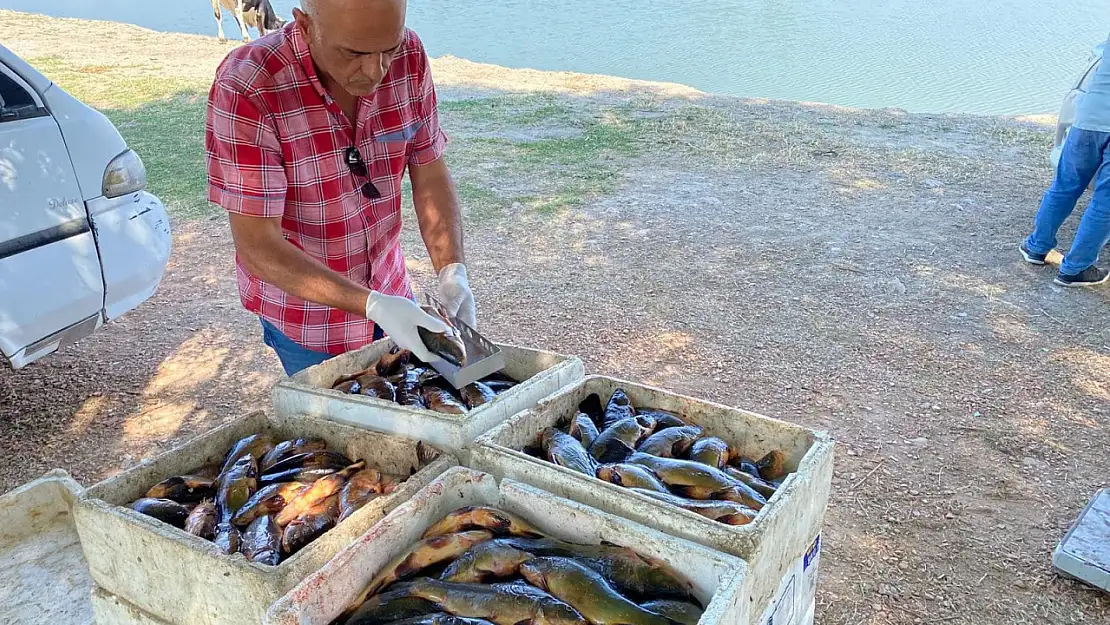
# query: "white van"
{"type": "Point", "coordinates": [81, 241]}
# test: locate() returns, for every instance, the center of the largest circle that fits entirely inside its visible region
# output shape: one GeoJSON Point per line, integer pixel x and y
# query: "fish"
{"type": "Point", "coordinates": [425, 553]}
{"type": "Point", "coordinates": [631, 476]}
{"type": "Point", "coordinates": [388, 607]}
{"type": "Point", "coordinates": [373, 385]}
{"type": "Point", "coordinates": [565, 450]}
{"type": "Point", "coordinates": [183, 489]}
{"type": "Point", "coordinates": [502, 604]}
{"type": "Point", "coordinates": [635, 574]}
{"type": "Point", "coordinates": [671, 442]}
{"type": "Point", "coordinates": [592, 408]}
{"type": "Point", "coordinates": [268, 500]}
{"type": "Point", "coordinates": [236, 486]}
{"type": "Point", "coordinates": [287, 449]}
{"type": "Point", "coordinates": [746, 465]}
{"type": "Point", "coordinates": [486, 561]}
{"type": "Point", "coordinates": [227, 537]}
{"type": "Point", "coordinates": [165, 510]}
{"type": "Point", "coordinates": [584, 429]}
{"type": "Point", "coordinates": [393, 363]}
{"type": "Point", "coordinates": [681, 612]}
{"type": "Point", "coordinates": [663, 418]}
{"type": "Point", "coordinates": [772, 466]}
{"type": "Point", "coordinates": [587, 591]}
{"type": "Point", "coordinates": [207, 471]}
{"type": "Point", "coordinates": [447, 345]}
{"type": "Point", "coordinates": [261, 542]}
{"type": "Point", "coordinates": [349, 387]}
{"type": "Point", "coordinates": [497, 521]}
{"type": "Point", "coordinates": [711, 451]}
{"type": "Point", "coordinates": [302, 475]}
{"type": "Point", "coordinates": [740, 493]}
{"type": "Point", "coordinates": [760, 486]}
{"type": "Point", "coordinates": [728, 512]}
{"type": "Point", "coordinates": [618, 408]}
{"type": "Point", "coordinates": [257, 445]}
{"type": "Point", "coordinates": [312, 522]}
{"type": "Point", "coordinates": [407, 388]}
{"type": "Point", "coordinates": [476, 394]}
{"type": "Point", "coordinates": [441, 400]}
{"type": "Point", "coordinates": [362, 487]}
{"type": "Point", "coordinates": [202, 520]}
{"type": "Point", "coordinates": [498, 386]}
{"type": "Point", "coordinates": [316, 459]}
{"type": "Point", "coordinates": [321, 490]}
{"type": "Point", "coordinates": [685, 473]}
{"type": "Point", "coordinates": [441, 618]}
{"type": "Point", "coordinates": [619, 440]}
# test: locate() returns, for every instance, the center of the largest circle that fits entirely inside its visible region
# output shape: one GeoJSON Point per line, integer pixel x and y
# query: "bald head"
{"type": "Point", "coordinates": [353, 42]}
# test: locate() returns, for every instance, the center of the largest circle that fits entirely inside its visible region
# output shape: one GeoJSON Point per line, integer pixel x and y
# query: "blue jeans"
{"type": "Point", "coordinates": [293, 357]}
{"type": "Point", "coordinates": [1084, 153]}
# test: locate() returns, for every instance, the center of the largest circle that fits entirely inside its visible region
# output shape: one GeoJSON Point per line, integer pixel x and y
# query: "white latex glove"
{"type": "Point", "coordinates": [455, 294]}
{"type": "Point", "coordinates": [399, 318]}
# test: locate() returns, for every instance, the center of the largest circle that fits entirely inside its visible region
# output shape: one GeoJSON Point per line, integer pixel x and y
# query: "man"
{"type": "Point", "coordinates": [308, 135]}
{"type": "Point", "coordinates": [1085, 150]}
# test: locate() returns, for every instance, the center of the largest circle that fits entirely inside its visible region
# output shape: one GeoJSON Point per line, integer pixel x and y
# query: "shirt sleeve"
{"type": "Point", "coordinates": [246, 174]}
{"type": "Point", "coordinates": [429, 141]}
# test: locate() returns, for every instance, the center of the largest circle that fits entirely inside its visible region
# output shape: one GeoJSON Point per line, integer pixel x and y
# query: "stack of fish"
{"type": "Point", "coordinates": [485, 566]}
{"type": "Point", "coordinates": [657, 454]}
{"type": "Point", "coordinates": [267, 500]}
{"type": "Point", "coordinates": [402, 378]}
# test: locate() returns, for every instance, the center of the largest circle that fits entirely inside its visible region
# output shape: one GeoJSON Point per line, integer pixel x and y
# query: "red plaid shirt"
{"type": "Point", "coordinates": [276, 145]}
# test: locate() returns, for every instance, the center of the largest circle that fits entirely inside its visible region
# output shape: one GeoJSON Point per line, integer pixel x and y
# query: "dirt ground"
{"type": "Point", "coordinates": [853, 271]}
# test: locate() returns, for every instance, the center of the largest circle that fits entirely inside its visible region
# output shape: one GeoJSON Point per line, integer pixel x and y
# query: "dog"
{"type": "Point", "coordinates": [248, 13]}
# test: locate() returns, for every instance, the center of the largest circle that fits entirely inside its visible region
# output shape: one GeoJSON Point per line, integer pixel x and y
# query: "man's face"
{"type": "Point", "coordinates": [353, 42]}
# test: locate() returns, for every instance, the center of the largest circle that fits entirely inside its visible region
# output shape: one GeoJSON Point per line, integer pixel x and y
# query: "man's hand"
{"type": "Point", "coordinates": [399, 317]}
{"type": "Point", "coordinates": [455, 295]}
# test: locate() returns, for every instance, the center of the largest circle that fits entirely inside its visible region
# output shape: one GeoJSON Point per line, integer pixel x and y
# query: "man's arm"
{"type": "Point", "coordinates": [266, 254]}
{"type": "Point", "coordinates": [437, 212]}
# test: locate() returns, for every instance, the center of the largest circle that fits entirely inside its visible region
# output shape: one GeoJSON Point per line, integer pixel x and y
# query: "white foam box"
{"type": "Point", "coordinates": [110, 609]}
{"type": "Point", "coordinates": [1084, 552]}
{"type": "Point", "coordinates": [719, 580]}
{"type": "Point", "coordinates": [771, 544]}
{"type": "Point", "coordinates": [185, 580]}
{"type": "Point", "coordinates": [309, 392]}
{"type": "Point", "coordinates": [796, 598]}
{"type": "Point", "coordinates": [43, 576]}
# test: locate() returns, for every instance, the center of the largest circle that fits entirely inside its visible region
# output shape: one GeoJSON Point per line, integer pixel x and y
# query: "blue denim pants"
{"type": "Point", "coordinates": [1084, 153]}
{"type": "Point", "coordinates": [293, 357]}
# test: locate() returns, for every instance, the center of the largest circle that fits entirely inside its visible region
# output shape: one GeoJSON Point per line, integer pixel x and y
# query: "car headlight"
{"type": "Point", "coordinates": [125, 174]}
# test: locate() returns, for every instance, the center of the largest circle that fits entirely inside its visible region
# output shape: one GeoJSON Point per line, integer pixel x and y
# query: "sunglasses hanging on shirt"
{"type": "Point", "coordinates": [358, 168]}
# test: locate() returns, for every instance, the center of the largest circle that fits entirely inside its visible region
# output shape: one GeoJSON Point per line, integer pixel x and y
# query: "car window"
{"type": "Point", "coordinates": [16, 102]}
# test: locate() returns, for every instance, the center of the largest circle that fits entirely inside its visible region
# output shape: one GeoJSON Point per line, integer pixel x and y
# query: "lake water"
{"type": "Point", "coordinates": [975, 56]}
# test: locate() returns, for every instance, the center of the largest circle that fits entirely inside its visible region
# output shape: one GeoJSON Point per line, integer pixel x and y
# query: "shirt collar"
{"type": "Point", "coordinates": [301, 52]}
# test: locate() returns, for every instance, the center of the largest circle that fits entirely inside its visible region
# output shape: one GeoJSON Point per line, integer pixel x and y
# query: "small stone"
{"type": "Point", "coordinates": [949, 516]}
{"type": "Point", "coordinates": [961, 315]}
{"type": "Point", "coordinates": [852, 452]}
{"type": "Point", "coordinates": [915, 493]}
{"type": "Point", "coordinates": [936, 408]}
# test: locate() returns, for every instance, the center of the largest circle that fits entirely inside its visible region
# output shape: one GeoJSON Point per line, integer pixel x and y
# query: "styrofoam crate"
{"type": "Point", "coordinates": [43, 576]}
{"type": "Point", "coordinates": [770, 544]}
{"type": "Point", "coordinates": [186, 580]}
{"type": "Point", "coordinates": [110, 609]}
{"type": "Point", "coordinates": [719, 580]}
{"type": "Point", "coordinates": [309, 392]}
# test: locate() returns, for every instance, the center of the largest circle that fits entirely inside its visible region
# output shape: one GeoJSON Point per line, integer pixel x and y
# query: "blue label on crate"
{"type": "Point", "coordinates": [811, 555]}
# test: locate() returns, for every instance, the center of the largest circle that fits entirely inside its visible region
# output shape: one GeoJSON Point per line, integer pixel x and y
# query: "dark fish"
{"type": "Point", "coordinates": [304, 476]}
{"type": "Point", "coordinates": [618, 408]}
{"type": "Point", "coordinates": [631, 476]}
{"type": "Point", "coordinates": [711, 451]}
{"type": "Point", "coordinates": [447, 345]}
{"type": "Point", "coordinates": [393, 363]}
{"type": "Point", "coordinates": [441, 618]}
{"type": "Point", "coordinates": [350, 387]}
{"type": "Point", "coordinates": [728, 512]}
{"type": "Point", "coordinates": [183, 489]}
{"type": "Point", "coordinates": [586, 590]}
{"type": "Point", "coordinates": [477, 394]}
{"type": "Point", "coordinates": [499, 386]}
{"type": "Point", "coordinates": [565, 451]}
{"type": "Point", "coordinates": [165, 510]}
{"type": "Point", "coordinates": [482, 517]}
{"type": "Point", "coordinates": [682, 612]}
{"type": "Point", "coordinates": [236, 486]}
{"type": "Point", "coordinates": [772, 466]}
{"type": "Point", "coordinates": [257, 445]}
{"type": "Point", "coordinates": [208, 471]}
{"type": "Point", "coordinates": [321, 490]}
{"type": "Point", "coordinates": [618, 441]}
{"type": "Point", "coordinates": [388, 607]}
{"type": "Point", "coordinates": [319, 459]}
{"type": "Point", "coordinates": [362, 487]}
{"type": "Point", "coordinates": [373, 385]}
{"type": "Point", "coordinates": [287, 449]}
{"type": "Point", "coordinates": [591, 407]}
{"type": "Point", "coordinates": [584, 429]}
{"type": "Point", "coordinates": [227, 538]}
{"type": "Point", "coordinates": [489, 560]}
{"type": "Point", "coordinates": [202, 520]}
{"type": "Point", "coordinates": [760, 486]}
{"type": "Point", "coordinates": [747, 466]}
{"type": "Point", "coordinates": [307, 527]}
{"type": "Point", "coordinates": [740, 493]}
{"type": "Point", "coordinates": [268, 500]}
{"type": "Point", "coordinates": [425, 553]}
{"type": "Point", "coordinates": [261, 542]}
{"type": "Point", "coordinates": [407, 387]}
{"type": "Point", "coordinates": [441, 400]}
{"type": "Point", "coordinates": [685, 473]}
{"type": "Point", "coordinates": [663, 419]}
{"type": "Point", "coordinates": [671, 442]}
{"type": "Point", "coordinates": [503, 604]}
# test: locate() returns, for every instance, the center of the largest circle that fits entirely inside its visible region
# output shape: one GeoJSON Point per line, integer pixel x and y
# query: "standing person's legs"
{"type": "Point", "coordinates": [1094, 228]}
{"type": "Point", "coordinates": [1080, 159]}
